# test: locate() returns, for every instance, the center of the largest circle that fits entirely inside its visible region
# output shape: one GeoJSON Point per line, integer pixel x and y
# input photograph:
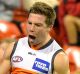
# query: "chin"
{"type": "Point", "coordinates": [31, 41]}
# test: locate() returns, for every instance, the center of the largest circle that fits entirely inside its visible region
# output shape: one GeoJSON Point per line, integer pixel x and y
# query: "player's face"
{"type": "Point", "coordinates": [37, 28]}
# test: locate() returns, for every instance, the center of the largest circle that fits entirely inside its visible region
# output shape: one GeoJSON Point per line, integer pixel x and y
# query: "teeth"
{"type": "Point", "coordinates": [32, 37]}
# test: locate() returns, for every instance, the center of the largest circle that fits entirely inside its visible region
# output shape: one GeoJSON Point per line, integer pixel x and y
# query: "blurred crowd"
{"type": "Point", "coordinates": [66, 30]}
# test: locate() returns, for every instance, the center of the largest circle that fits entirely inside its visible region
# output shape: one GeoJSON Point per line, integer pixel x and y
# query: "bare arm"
{"type": "Point", "coordinates": [61, 64]}
{"type": "Point", "coordinates": [4, 67]}
{"type": "Point", "coordinates": [5, 63]}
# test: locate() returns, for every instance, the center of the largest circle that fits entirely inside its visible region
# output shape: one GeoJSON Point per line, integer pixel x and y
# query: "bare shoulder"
{"type": "Point", "coordinates": [9, 50]}
{"type": "Point", "coordinates": [61, 63]}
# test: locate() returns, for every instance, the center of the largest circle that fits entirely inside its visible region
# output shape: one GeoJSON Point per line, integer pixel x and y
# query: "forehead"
{"type": "Point", "coordinates": [36, 17]}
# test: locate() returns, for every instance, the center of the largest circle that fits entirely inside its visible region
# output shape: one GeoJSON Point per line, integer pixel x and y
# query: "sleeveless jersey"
{"type": "Point", "coordinates": [26, 60]}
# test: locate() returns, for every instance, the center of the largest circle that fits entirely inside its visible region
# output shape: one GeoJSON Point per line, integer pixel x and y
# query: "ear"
{"type": "Point", "coordinates": [49, 28]}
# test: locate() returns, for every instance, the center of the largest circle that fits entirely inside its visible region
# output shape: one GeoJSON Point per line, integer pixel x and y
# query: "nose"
{"type": "Point", "coordinates": [32, 27]}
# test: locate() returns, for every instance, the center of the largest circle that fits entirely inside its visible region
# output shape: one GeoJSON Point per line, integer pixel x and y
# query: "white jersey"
{"type": "Point", "coordinates": [30, 61]}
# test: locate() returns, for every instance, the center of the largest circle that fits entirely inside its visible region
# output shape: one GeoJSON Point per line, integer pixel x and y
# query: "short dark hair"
{"type": "Point", "coordinates": [44, 9]}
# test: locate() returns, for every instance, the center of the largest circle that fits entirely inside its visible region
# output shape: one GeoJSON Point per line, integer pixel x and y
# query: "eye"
{"type": "Point", "coordinates": [38, 25]}
{"type": "Point", "coordinates": [30, 23]}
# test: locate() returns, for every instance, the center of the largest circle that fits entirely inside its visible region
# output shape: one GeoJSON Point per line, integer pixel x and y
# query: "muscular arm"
{"type": "Point", "coordinates": [5, 62]}
{"type": "Point", "coordinates": [4, 67]}
{"type": "Point", "coordinates": [61, 64]}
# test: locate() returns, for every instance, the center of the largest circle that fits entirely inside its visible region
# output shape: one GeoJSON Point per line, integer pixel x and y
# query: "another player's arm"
{"type": "Point", "coordinates": [4, 67]}
{"type": "Point", "coordinates": [61, 64]}
{"type": "Point", "coordinates": [5, 64]}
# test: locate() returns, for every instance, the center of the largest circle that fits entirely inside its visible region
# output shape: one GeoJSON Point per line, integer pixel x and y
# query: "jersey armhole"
{"type": "Point", "coordinates": [14, 48]}
{"type": "Point", "coordinates": [53, 57]}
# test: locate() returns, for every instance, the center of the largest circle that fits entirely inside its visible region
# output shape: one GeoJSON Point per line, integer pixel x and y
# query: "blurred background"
{"type": "Point", "coordinates": [66, 30]}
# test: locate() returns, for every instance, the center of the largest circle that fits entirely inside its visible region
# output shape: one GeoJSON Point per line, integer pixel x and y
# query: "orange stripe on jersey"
{"type": "Point", "coordinates": [35, 47]}
{"type": "Point", "coordinates": [21, 71]}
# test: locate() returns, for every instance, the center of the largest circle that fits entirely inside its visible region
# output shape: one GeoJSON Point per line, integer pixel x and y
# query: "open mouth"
{"type": "Point", "coordinates": [32, 37]}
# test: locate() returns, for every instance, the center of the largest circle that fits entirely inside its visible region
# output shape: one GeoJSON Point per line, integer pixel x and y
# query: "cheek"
{"type": "Point", "coordinates": [39, 30]}
{"type": "Point", "coordinates": [28, 27]}
{"type": "Point", "coordinates": [41, 33]}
